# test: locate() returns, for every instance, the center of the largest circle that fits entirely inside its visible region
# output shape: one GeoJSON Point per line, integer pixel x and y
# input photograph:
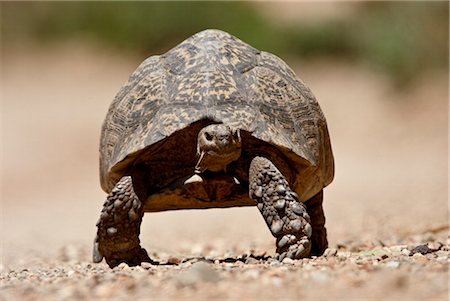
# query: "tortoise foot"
{"type": "Point", "coordinates": [285, 216]}
{"type": "Point", "coordinates": [118, 228]}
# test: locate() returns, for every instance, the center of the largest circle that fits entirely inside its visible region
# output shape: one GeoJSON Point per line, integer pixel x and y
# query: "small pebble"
{"type": "Point", "coordinates": [146, 265]}
{"type": "Point", "coordinates": [419, 258]}
{"type": "Point", "coordinates": [405, 252]}
{"type": "Point", "coordinates": [123, 266]}
{"type": "Point", "coordinates": [274, 262]}
{"type": "Point", "coordinates": [174, 260]}
{"type": "Point", "coordinates": [138, 269]}
{"type": "Point", "coordinates": [398, 248]}
{"type": "Point", "coordinates": [442, 259]}
{"type": "Point", "coordinates": [441, 253]}
{"type": "Point", "coordinates": [251, 260]}
{"type": "Point", "coordinates": [434, 246]}
{"type": "Point", "coordinates": [392, 264]}
{"type": "Point", "coordinates": [422, 249]}
{"type": "Point", "coordinates": [288, 261]}
{"type": "Point", "coordinates": [330, 252]}
{"type": "Point", "coordinates": [187, 264]}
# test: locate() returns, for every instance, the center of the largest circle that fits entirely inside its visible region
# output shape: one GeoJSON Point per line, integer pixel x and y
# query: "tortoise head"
{"type": "Point", "coordinates": [217, 146]}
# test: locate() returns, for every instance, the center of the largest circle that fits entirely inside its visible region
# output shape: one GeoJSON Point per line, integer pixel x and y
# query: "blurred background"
{"type": "Point", "coordinates": [378, 69]}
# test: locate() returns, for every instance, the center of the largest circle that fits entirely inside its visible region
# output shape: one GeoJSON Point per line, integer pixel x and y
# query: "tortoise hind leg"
{"type": "Point", "coordinates": [117, 238]}
{"type": "Point", "coordinates": [319, 232]}
{"type": "Point", "coordinates": [286, 217]}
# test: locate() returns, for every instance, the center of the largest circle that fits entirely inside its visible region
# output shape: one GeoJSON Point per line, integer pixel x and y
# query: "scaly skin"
{"type": "Point", "coordinates": [285, 216]}
{"type": "Point", "coordinates": [119, 225]}
{"type": "Point", "coordinates": [319, 232]}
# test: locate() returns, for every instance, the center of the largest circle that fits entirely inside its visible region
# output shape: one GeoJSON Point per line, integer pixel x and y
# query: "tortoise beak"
{"type": "Point", "coordinates": [198, 167]}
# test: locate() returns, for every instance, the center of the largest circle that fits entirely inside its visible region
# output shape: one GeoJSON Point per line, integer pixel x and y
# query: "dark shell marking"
{"type": "Point", "coordinates": [215, 76]}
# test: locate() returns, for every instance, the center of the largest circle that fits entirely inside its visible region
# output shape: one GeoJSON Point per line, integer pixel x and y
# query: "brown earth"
{"type": "Point", "coordinates": [388, 197]}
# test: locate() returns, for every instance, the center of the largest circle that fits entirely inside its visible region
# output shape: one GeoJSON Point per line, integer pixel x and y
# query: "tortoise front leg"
{"type": "Point", "coordinates": [286, 217]}
{"type": "Point", "coordinates": [119, 225]}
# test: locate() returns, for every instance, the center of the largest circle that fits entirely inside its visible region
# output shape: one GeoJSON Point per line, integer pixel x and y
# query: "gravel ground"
{"type": "Point", "coordinates": [399, 272]}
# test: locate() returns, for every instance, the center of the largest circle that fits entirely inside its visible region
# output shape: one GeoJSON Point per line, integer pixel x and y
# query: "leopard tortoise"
{"type": "Point", "coordinates": [214, 123]}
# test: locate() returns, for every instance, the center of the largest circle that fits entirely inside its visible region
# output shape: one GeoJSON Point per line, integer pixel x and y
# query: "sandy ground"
{"type": "Point", "coordinates": [388, 197]}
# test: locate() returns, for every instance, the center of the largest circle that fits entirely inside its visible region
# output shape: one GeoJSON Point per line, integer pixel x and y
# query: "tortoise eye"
{"type": "Point", "coordinates": [208, 136]}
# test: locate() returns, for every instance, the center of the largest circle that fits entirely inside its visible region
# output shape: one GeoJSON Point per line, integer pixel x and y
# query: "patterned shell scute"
{"type": "Point", "coordinates": [216, 76]}
{"type": "Point", "coordinates": [290, 102]}
{"type": "Point", "coordinates": [138, 97]}
{"type": "Point", "coordinates": [288, 106]}
{"type": "Point", "coordinates": [200, 53]}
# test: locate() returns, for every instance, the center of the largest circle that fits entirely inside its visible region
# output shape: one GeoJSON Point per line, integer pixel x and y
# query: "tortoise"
{"type": "Point", "coordinates": [214, 123]}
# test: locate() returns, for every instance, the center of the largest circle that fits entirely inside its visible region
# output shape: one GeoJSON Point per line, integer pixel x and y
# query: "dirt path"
{"type": "Point", "coordinates": [389, 193]}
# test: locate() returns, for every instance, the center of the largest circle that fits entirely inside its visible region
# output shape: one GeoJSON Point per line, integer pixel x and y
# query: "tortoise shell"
{"type": "Point", "coordinates": [213, 77]}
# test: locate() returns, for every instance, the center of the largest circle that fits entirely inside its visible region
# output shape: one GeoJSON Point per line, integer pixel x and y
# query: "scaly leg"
{"type": "Point", "coordinates": [286, 217]}
{"type": "Point", "coordinates": [119, 225]}
{"type": "Point", "coordinates": [319, 232]}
